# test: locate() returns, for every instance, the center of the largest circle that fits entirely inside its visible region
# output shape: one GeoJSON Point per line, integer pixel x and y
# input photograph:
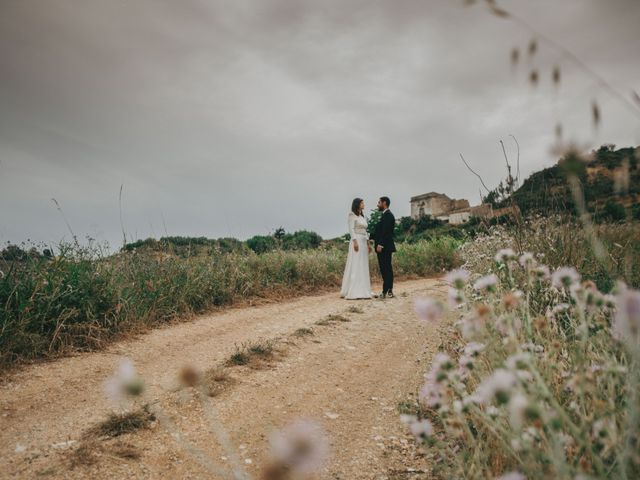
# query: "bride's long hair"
{"type": "Point", "coordinates": [355, 207]}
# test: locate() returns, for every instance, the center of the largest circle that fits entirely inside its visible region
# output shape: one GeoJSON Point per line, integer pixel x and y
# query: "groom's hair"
{"type": "Point", "coordinates": [386, 200]}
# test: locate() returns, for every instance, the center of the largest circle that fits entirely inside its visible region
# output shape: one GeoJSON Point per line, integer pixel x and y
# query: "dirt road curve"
{"type": "Point", "coordinates": [349, 376]}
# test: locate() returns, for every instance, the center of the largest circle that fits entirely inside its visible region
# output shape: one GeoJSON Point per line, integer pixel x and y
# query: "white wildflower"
{"type": "Point", "coordinates": [487, 282]}
{"type": "Point", "coordinates": [498, 386]}
{"type": "Point", "coordinates": [505, 255]}
{"type": "Point", "coordinates": [512, 476]}
{"type": "Point", "coordinates": [564, 277]}
{"type": "Point", "coordinates": [527, 260]}
{"type": "Point", "coordinates": [519, 361]}
{"type": "Point", "coordinates": [421, 429]}
{"type": "Point", "coordinates": [302, 446]}
{"type": "Point", "coordinates": [428, 310]}
{"type": "Point", "coordinates": [125, 383]}
{"type": "Point", "coordinates": [473, 349]}
{"type": "Point", "coordinates": [626, 322]}
{"type": "Point", "coordinates": [455, 297]}
{"type": "Point", "coordinates": [457, 278]}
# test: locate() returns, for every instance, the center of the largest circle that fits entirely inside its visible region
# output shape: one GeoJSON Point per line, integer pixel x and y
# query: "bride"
{"type": "Point", "coordinates": [356, 282]}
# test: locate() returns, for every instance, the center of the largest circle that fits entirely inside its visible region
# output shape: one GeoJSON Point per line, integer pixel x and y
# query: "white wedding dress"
{"type": "Point", "coordinates": [356, 282]}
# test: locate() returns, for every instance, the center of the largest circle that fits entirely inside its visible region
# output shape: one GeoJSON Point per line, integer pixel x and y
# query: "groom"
{"type": "Point", "coordinates": [383, 238]}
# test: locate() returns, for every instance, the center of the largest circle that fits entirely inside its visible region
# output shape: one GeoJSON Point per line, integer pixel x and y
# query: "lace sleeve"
{"type": "Point", "coordinates": [352, 225]}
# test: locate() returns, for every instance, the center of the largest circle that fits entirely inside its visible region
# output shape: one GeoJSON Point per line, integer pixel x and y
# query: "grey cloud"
{"type": "Point", "coordinates": [232, 118]}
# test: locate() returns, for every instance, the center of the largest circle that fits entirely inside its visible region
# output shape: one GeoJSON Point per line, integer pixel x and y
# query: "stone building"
{"type": "Point", "coordinates": [438, 205]}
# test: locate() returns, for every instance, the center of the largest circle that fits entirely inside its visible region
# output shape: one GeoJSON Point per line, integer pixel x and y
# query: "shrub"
{"type": "Point", "coordinates": [540, 381]}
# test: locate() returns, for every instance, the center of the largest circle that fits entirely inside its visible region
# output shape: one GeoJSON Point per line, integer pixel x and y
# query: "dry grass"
{"type": "Point", "coordinates": [354, 309]}
{"type": "Point", "coordinates": [121, 423]}
{"type": "Point", "coordinates": [331, 319]}
{"type": "Point", "coordinates": [216, 381]}
{"type": "Point", "coordinates": [303, 332]}
{"type": "Point", "coordinates": [256, 354]}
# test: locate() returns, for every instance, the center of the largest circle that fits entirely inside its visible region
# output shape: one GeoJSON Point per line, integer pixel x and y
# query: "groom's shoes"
{"type": "Point", "coordinates": [390, 294]}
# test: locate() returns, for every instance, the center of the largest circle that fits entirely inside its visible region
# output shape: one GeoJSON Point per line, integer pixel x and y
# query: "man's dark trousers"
{"type": "Point", "coordinates": [386, 270]}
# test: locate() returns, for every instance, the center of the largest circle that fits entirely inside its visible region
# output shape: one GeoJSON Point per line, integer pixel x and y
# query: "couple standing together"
{"type": "Point", "coordinates": [356, 283]}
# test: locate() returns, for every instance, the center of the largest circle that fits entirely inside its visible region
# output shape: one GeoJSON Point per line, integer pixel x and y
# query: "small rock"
{"type": "Point", "coordinates": [331, 416]}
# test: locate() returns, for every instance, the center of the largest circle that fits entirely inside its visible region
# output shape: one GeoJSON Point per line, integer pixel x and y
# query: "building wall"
{"type": "Point", "coordinates": [459, 217]}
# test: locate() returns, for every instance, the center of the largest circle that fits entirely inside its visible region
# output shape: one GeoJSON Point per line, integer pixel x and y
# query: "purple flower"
{"type": "Point", "coordinates": [428, 310]}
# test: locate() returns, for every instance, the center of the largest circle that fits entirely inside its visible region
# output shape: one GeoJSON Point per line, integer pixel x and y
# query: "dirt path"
{"type": "Point", "coordinates": [349, 376]}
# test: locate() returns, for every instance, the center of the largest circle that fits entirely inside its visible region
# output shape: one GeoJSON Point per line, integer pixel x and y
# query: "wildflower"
{"type": "Point", "coordinates": [487, 282]}
{"type": "Point", "coordinates": [189, 376]}
{"type": "Point", "coordinates": [517, 407]}
{"type": "Point", "coordinates": [301, 446]}
{"type": "Point", "coordinates": [421, 429]}
{"type": "Point", "coordinates": [512, 476]}
{"type": "Point", "coordinates": [457, 278]}
{"type": "Point", "coordinates": [125, 383]}
{"type": "Point", "coordinates": [540, 272]}
{"type": "Point", "coordinates": [564, 277]}
{"type": "Point", "coordinates": [603, 428]}
{"type": "Point", "coordinates": [497, 387]}
{"type": "Point", "coordinates": [512, 300]}
{"type": "Point", "coordinates": [473, 324]}
{"type": "Point", "coordinates": [473, 349]}
{"type": "Point", "coordinates": [455, 297]}
{"type": "Point", "coordinates": [527, 260]}
{"type": "Point", "coordinates": [505, 255]}
{"type": "Point", "coordinates": [559, 308]}
{"type": "Point", "coordinates": [432, 391]}
{"type": "Point", "coordinates": [626, 322]}
{"type": "Point", "coordinates": [519, 361]}
{"type": "Point", "coordinates": [428, 310]}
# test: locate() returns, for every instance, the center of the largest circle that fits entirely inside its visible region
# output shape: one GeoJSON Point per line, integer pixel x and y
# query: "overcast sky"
{"type": "Point", "coordinates": [232, 118]}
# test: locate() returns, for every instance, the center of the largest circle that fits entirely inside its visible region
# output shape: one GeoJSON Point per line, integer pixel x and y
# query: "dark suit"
{"type": "Point", "coordinates": [383, 236]}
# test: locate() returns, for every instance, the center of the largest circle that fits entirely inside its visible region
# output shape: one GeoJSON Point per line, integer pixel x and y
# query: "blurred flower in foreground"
{"type": "Point", "coordinates": [301, 447]}
{"type": "Point", "coordinates": [512, 476]}
{"type": "Point", "coordinates": [457, 278]}
{"type": "Point", "coordinates": [498, 387]}
{"type": "Point", "coordinates": [505, 255]}
{"type": "Point", "coordinates": [487, 282]}
{"type": "Point", "coordinates": [428, 310]}
{"type": "Point", "coordinates": [564, 277]}
{"type": "Point", "coordinates": [124, 383]}
{"type": "Point", "coordinates": [421, 429]}
{"type": "Point", "coordinates": [626, 323]}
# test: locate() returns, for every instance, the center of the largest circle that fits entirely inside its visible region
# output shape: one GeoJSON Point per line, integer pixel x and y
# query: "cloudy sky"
{"type": "Point", "coordinates": [225, 118]}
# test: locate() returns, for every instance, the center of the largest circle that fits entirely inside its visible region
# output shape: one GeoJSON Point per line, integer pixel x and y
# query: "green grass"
{"type": "Point", "coordinates": [81, 300]}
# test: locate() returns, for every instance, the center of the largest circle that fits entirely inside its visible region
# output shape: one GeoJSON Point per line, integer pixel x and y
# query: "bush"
{"type": "Point", "coordinates": [539, 379]}
{"type": "Point", "coordinates": [262, 243]}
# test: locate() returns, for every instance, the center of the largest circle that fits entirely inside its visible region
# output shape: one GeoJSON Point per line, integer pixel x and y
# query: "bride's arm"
{"type": "Point", "coordinates": [352, 230]}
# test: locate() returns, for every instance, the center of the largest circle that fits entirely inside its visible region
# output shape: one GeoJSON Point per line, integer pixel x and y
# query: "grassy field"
{"type": "Point", "coordinates": [80, 300]}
